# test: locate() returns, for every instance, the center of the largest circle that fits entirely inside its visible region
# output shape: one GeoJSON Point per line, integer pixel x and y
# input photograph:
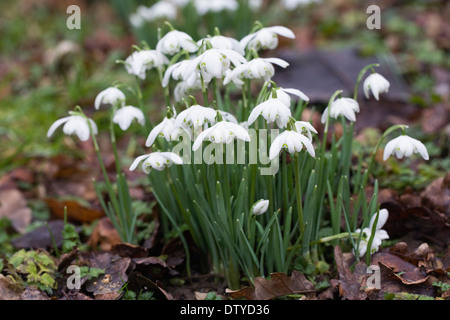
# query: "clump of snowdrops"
{"type": "Point", "coordinates": [242, 170]}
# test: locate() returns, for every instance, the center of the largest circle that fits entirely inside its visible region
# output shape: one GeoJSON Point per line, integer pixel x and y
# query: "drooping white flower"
{"type": "Point", "coordinates": [177, 70]}
{"type": "Point", "coordinates": [174, 41]}
{"type": "Point", "coordinates": [291, 140]}
{"type": "Point", "coordinates": [179, 3]}
{"type": "Point", "coordinates": [260, 207]}
{"type": "Point", "coordinates": [273, 110]}
{"type": "Point", "coordinates": [213, 63]}
{"type": "Point", "coordinates": [168, 130]}
{"type": "Point", "coordinates": [283, 95]}
{"type": "Point", "coordinates": [222, 42]}
{"type": "Point", "coordinates": [205, 6]}
{"type": "Point", "coordinates": [294, 4]}
{"type": "Point", "coordinates": [221, 132]}
{"type": "Point", "coordinates": [379, 236]}
{"type": "Point", "coordinates": [185, 87]}
{"type": "Point", "coordinates": [405, 146]}
{"type": "Point", "coordinates": [228, 116]}
{"type": "Point", "coordinates": [196, 116]}
{"type": "Point", "coordinates": [156, 160]}
{"type": "Point", "coordinates": [341, 106]}
{"type": "Point", "coordinates": [125, 115]}
{"type": "Point", "coordinates": [305, 128]}
{"type": "Point", "coordinates": [75, 124]}
{"type": "Point", "coordinates": [111, 95]}
{"type": "Point", "coordinates": [376, 83]}
{"type": "Point", "coordinates": [160, 10]}
{"type": "Point", "coordinates": [259, 68]}
{"type": "Point", "coordinates": [136, 20]}
{"type": "Point", "coordinates": [266, 38]}
{"type": "Point", "coordinates": [255, 5]}
{"type": "Point", "coordinates": [141, 61]}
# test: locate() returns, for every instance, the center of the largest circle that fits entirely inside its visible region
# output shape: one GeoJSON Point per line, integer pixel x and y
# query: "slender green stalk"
{"type": "Point", "coordinates": [298, 194]}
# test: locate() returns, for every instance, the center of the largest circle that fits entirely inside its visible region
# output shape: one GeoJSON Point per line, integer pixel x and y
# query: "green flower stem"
{"type": "Point", "coordinates": [217, 95]}
{"type": "Point", "coordinates": [109, 186]}
{"type": "Point", "coordinates": [298, 194]}
{"type": "Point", "coordinates": [204, 91]}
{"type": "Point", "coordinates": [338, 236]}
{"type": "Point", "coordinates": [360, 76]}
{"type": "Point", "coordinates": [165, 89]}
{"type": "Point", "coordinates": [113, 141]}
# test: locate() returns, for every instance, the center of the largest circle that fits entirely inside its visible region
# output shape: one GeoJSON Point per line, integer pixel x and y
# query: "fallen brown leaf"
{"type": "Point", "coordinates": [13, 206]}
{"type": "Point", "coordinates": [152, 267]}
{"type": "Point", "coordinates": [349, 282]}
{"type": "Point", "coordinates": [76, 212]}
{"type": "Point", "coordinates": [8, 290]}
{"type": "Point", "coordinates": [41, 237]}
{"type": "Point", "coordinates": [437, 195]}
{"type": "Point", "coordinates": [109, 285]}
{"type": "Point", "coordinates": [104, 236]}
{"type": "Point", "coordinates": [279, 284]}
{"type": "Point", "coordinates": [405, 271]}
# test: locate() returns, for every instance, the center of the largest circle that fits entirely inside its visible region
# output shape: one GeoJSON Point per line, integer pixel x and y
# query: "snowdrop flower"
{"type": "Point", "coordinates": [205, 6]}
{"type": "Point", "coordinates": [294, 4]}
{"type": "Point", "coordinates": [125, 115]}
{"type": "Point", "coordinates": [305, 128]}
{"type": "Point", "coordinates": [185, 87]}
{"type": "Point", "coordinates": [272, 110]}
{"type": "Point", "coordinates": [111, 95]}
{"type": "Point", "coordinates": [283, 95]}
{"type": "Point", "coordinates": [379, 236]}
{"type": "Point", "coordinates": [213, 63]}
{"type": "Point", "coordinates": [156, 160]}
{"type": "Point", "coordinates": [136, 20]}
{"type": "Point", "coordinates": [259, 68]}
{"type": "Point", "coordinates": [75, 124]}
{"type": "Point", "coordinates": [228, 116]}
{"type": "Point", "coordinates": [177, 70]}
{"type": "Point", "coordinates": [291, 140]}
{"type": "Point", "coordinates": [174, 41]}
{"type": "Point", "coordinates": [180, 3]}
{"type": "Point", "coordinates": [168, 130]}
{"type": "Point", "coordinates": [141, 61]}
{"type": "Point", "coordinates": [161, 9]}
{"type": "Point", "coordinates": [260, 207]}
{"type": "Point", "coordinates": [405, 146]}
{"type": "Point", "coordinates": [341, 106]}
{"type": "Point", "coordinates": [377, 84]}
{"type": "Point", "coordinates": [196, 116]}
{"type": "Point", "coordinates": [266, 38]}
{"type": "Point", "coordinates": [222, 132]}
{"type": "Point", "coordinates": [255, 5]}
{"type": "Point", "coordinates": [222, 42]}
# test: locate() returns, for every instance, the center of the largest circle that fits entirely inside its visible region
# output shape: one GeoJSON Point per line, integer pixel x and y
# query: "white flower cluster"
{"type": "Point", "coordinates": [82, 126]}
{"type": "Point", "coordinates": [169, 9]}
{"type": "Point", "coordinates": [230, 61]}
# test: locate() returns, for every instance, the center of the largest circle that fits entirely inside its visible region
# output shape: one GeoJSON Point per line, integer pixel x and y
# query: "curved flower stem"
{"type": "Point", "coordinates": [360, 75]}
{"type": "Point", "coordinates": [342, 235]}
